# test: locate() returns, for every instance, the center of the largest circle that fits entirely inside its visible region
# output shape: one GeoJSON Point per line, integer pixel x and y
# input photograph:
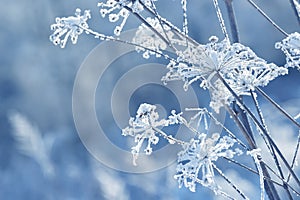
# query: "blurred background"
{"type": "Point", "coordinates": [41, 154]}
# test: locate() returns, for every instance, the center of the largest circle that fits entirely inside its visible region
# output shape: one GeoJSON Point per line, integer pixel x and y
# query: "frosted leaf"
{"type": "Point", "coordinates": [196, 159]}
{"type": "Point", "coordinates": [238, 65]}
{"type": "Point", "coordinates": [291, 48]}
{"type": "Point", "coordinates": [121, 9]}
{"type": "Point", "coordinates": [146, 126]}
{"type": "Point", "coordinates": [66, 27]}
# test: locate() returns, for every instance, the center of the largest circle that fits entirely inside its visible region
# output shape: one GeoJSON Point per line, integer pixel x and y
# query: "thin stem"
{"type": "Point", "coordinates": [242, 105]}
{"type": "Point", "coordinates": [250, 170]}
{"type": "Point", "coordinates": [110, 38]}
{"type": "Point", "coordinates": [160, 22]}
{"type": "Point", "coordinates": [255, 172]}
{"type": "Point", "coordinates": [185, 22]}
{"type": "Point", "coordinates": [220, 18]}
{"type": "Point", "coordinates": [229, 132]}
{"type": "Point", "coordinates": [271, 149]}
{"type": "Point", "coordinates": [269, 187]}
{"type": "Point", "coordinates": [241, 127]}
{"type": "Point", "coordinates": [172, 27]}
{"type": "Point", "coordinates": [219, 191]}
{"type": "Point", "coordinates": [267, 17]}
{"type": "Point", "coordinates": [286, 182]}
{"type": "Point", "coordinates": [278, 106]}
{"type": "Point", "coordinates": [292, 2]}
{"type": "Point", "coordinates": [232, 21]}
{"type": "Point", "coordinates": [230, 182]}
{"type": "Point", "coordinates": [295, 156]}
{"type": "Point", "coordinates": [168, 137]}
{"type": "Point", "coordinates": [143, 20]}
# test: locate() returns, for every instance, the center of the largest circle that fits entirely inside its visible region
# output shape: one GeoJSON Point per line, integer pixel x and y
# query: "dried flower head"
{"type": "Point", "coordinates": [69, 27]}
{"type": "Point", "coordinates": [195, 160]}
{"type": "Point", "coordinates": [145, 126]}
{"type": "Point", "coordinates": [237, 64]}
{"type": "Point", "coordinates": [291, 48]}
{"type": "Point", "coordinates": [123, 7]}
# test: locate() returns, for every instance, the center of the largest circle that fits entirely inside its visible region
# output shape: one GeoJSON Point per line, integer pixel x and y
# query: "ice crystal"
{"type": "Point", "coordinates": [237, 64]}
{"type": "Point", "coordinates": [291, 48]}
{"type": "Point", "coordinates": [196, 159]}
{"type": "Point", "coordinates": [123, 7]}
{"type": "Point", "coordinates": [69, 27]}
{"type": "Point", "coordinates": [145, 126]}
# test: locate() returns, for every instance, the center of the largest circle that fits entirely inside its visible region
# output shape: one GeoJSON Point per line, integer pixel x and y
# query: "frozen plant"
{"type": "Point", "coordinates": [291, 48]}
{"type": "Point", "coordinates": [145, 126]}
{"type": "Point", "coordinates": [229, 70]}
{"type": "Point", "coordinates": [69, 27]}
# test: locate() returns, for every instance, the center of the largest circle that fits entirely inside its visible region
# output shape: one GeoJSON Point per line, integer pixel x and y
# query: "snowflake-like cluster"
{"type": "Point", "coordinates": [145, 126]}
{"type": "Point", "coordinates": [237, 64]}
{"type": "Point", "coordinates": [291, 48]}
{"type": "Point", "coordinates": [145, 37]}
{"type": "Point", "coordinates": [195, 161]}
{"type": "Point", "coordinates": [69, 27]}
{"type": "Point", "coordinates": [124, 8]}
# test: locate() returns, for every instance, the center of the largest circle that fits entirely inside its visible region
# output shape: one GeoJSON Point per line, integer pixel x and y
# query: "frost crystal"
{"type": "Point", "coordinates": [69, 27]}
{"type": "Point", "coordinates": [297, 4]}
{"type": "Point", "coordinates": [238, 65]}
{"type": "Point", "coordinates": [147, 38]}
{"type": "Point", "coordinates": [220, 96]}
{"type": "Point", "coordinates": [195, 162]}
{"type": "Point", "coordinates": [256, 155]}
{"type": "Point", "coordinates": [145, 126]}
{"type": "Point", "coordinates": [291, 48]}
{"type": "Point", "coordinates": [124, 8]}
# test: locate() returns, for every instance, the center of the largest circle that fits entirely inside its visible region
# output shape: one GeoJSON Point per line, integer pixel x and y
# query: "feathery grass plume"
{"type": "Point", "coordinates": [30, 142]}
{"type": "Point", "coordinates": [112, 186]}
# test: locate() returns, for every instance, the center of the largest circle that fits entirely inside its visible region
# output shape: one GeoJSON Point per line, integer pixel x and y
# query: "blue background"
{"type": "Point", "coordinates": [36, 80]}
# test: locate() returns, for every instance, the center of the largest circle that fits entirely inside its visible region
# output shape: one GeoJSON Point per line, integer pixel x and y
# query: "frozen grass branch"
{"type": "Point", "coordinates": [31, 143]}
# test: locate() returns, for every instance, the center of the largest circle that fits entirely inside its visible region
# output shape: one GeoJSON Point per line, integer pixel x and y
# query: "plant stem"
{"type": "Point", "coordinates": [232, 20]}
{"type": "Point", "coordinates": [174, 29]}
{"type": "Point", "coordinates": [243, 106]}
{"type": "Point", "coordinates": [292, 2]}
{"type": "Point", "coordinates": [267, 17]}
{"type": "Point", "coordinates": [230, 182]}
{"type": "Point", "coordinates": [277, 106]}
{"type": "Point", "coordinates": [268, 186]}
{"type": "Point", "coordinates": [220, 18]}
{"type": "Point", "coordinates": [142, 19]}
{"type": "Point", "coordinates": [270, 147]}
{"type": "Point", "coordinates": [242, 127]}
